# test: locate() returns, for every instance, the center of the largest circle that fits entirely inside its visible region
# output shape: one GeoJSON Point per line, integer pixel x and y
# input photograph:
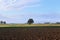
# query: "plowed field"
{"type": "Point", "coordinates": [30, 33]}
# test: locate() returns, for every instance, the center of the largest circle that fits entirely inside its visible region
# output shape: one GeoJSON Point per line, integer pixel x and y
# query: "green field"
{"type": "Point", "coordinates": [27, 25]}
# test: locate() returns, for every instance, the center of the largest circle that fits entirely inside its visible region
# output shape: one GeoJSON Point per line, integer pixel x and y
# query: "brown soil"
{"type": "Point", "coordinates": [29, 33]}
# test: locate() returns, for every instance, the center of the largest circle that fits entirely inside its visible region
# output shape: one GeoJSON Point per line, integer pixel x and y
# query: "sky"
{"type": "Point", "coordinates": [19, 11]}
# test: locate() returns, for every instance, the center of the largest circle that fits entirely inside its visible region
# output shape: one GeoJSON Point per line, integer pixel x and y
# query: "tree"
{"type": "Point", "coordinates": [30, 21]}
{"type": "Point", "coordinates": [4, 22]}
{"type": "Point", "coordinates": [1, 22]}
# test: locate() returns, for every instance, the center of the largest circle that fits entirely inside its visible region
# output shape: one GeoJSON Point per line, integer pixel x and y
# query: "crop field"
{"type": "Point", "coordinates": [29, 32]}
{"type": "Point", "coordinates": [27, 25]}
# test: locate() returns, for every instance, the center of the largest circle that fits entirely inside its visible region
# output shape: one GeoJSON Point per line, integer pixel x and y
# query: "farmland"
{"type": "Point", "coordinates": [29, 32]}
{"type": "Point", "coordinates": [27, 25]}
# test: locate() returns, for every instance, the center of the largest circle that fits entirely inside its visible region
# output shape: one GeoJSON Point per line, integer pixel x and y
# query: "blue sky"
{"type": "Point", "coordinates": [19, 11]}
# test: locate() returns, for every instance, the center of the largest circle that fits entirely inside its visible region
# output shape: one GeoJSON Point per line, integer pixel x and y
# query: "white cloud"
{"type": "Point", "coordinates": [16, 4]}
